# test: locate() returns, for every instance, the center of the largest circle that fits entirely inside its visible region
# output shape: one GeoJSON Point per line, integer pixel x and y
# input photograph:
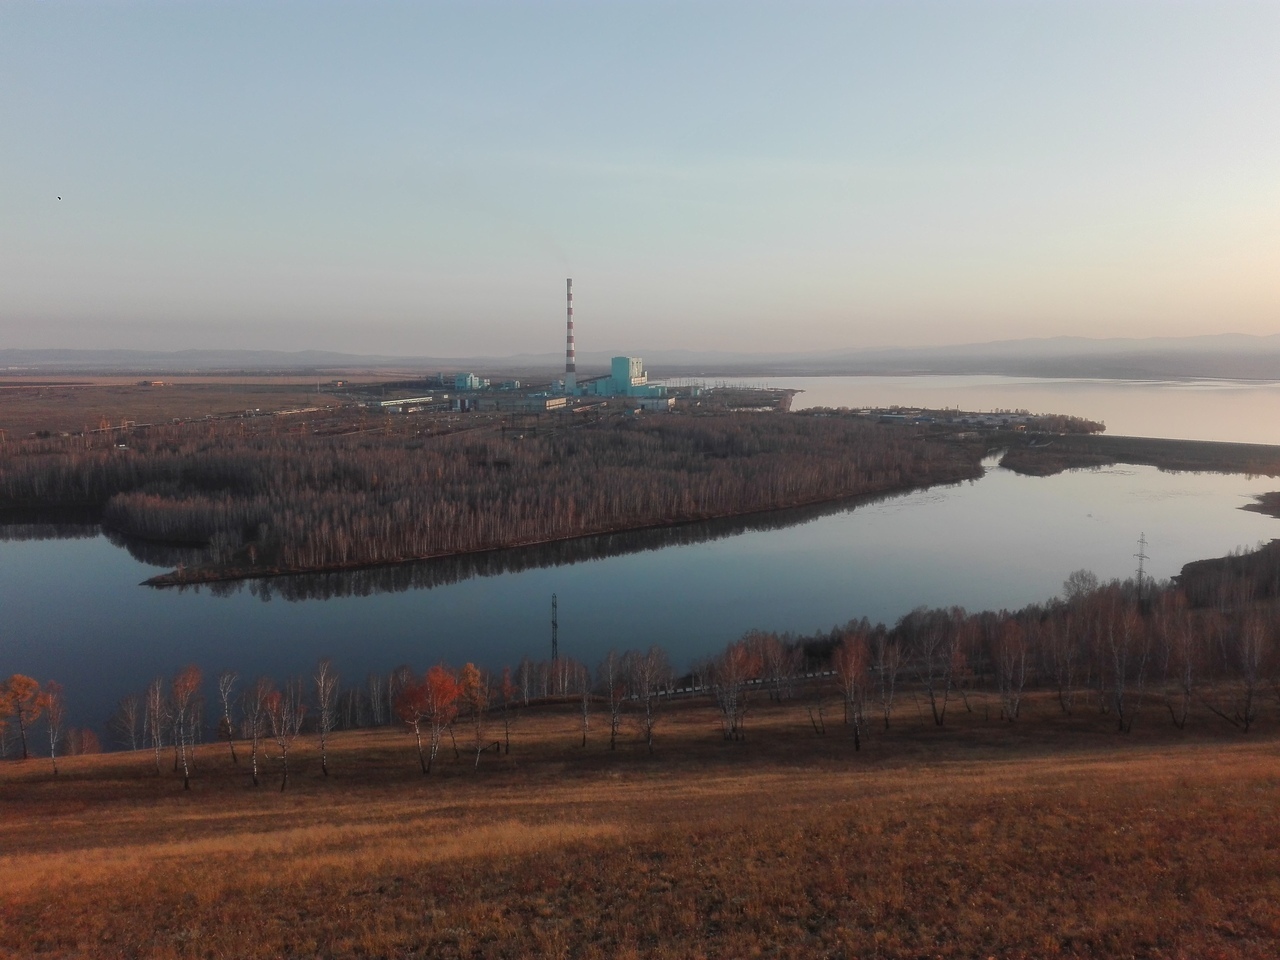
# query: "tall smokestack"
{"type": "Point", "coordinates": [570, 359]}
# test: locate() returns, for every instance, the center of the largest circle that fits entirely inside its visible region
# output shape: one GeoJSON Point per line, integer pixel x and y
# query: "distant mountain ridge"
{"type": "Point", "coordinates": [1231, 356]}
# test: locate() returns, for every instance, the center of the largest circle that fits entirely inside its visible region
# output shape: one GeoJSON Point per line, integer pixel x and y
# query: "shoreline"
{"type": "Point", "coordinates": [234, 575]}
{"type": "Point", "coordinates": [1053, 455]}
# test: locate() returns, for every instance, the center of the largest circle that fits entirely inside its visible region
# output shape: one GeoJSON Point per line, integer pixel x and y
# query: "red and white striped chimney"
{"type": "Point", "coordinates": [570, 358]}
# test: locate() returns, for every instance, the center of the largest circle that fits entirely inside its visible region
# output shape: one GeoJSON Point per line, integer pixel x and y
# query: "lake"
{"type": "Point", "coordinates": [1242, 411]}
{"type": "Point", "coordinates": [73, 609]}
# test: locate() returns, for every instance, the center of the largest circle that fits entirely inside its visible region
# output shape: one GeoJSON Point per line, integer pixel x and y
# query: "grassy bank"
{"type": "Point", "coordinates": [1052, 836]}
{"type": "Point", "coordinates": [1045, 456]}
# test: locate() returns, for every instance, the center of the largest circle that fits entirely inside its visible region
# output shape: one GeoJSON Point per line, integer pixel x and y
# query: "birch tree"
{"type": "Point", "coordinates": [1253, 643]}
{"type": "Point", "coordinates": [226, 729]}
{"type": "Point", "coordinates": [648, 675]}
{"type": "Point", "coordinates": [583, 680]}
{"type": "Point", "coordinates": [53, 702]}
{"type": "Point", "coordinates": [1011, 666]}
{"type": "Point", "coordinates": [284, 714]}
{"type": "Point", "coordinates": [377, 684]}
{"type": "Point", "coordinates": [184, 695]}
{"type": "Point", "coordinates": [474, 688]}
{"type": "Point", "coordinates": [731, 672]}
{"type": "Point", "coordinates": [433, 702]}
{"type": "Point", "coordinates": [1183, 654]}
{"type": "Point", "coordinates": [254, 706]}
{"type": "Point", "coordinates": [930, 636]}
{"type": "Point", "coordinates": [127, 721]}
{"type": "Point", "coordinates": [326, 681]}
{"type": "Point", "coordinates": [1126, 647]}
{"type": "Point", "coordinates": [156, 704]}
{"type": "Point", "coordinates": [888, 664]}
{"type": "Point", "coordinates": [507, 694]}
{"type": "Point", "coordinates": [611, 678]}
{"type": "Point", "coordinates": [852, 663]}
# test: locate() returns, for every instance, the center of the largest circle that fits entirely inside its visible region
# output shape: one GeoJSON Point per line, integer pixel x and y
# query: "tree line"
{"type": "Point", "coordinates": [1121, 649]}
{"type": "Point", "coordinates": [261, 500]}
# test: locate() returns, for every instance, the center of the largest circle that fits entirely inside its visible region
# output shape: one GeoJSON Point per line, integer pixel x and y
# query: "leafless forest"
{"type": "Point", "coordinates": [264, 498]}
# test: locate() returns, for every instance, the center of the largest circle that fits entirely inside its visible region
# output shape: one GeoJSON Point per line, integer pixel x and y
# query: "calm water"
{"type": "Point", "coordinates": [1244, 411]}
{"type": "Point", "coordinates": [73, 610]}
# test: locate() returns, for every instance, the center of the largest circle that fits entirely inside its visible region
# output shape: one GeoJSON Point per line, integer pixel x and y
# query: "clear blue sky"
{"type": "Point", "coordinates": [420, 177]}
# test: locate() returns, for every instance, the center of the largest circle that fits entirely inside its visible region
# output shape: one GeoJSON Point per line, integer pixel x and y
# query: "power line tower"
{"type": "Point", "coordinates": [555, 629]}
{"type": "Point", "coordinates": [1142, 558]}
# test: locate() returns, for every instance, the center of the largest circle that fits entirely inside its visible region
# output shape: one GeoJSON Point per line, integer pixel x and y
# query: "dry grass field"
{"type": "Point", "coordinates": [70, 403]}
{"type": "Point", "coordinates": [1049, 837]}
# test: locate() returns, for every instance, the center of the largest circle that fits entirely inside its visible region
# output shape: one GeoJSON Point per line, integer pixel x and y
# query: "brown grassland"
{"type": "Point", "coordinates": [69, 402]}
{"type": "Point", "coordinates": [1051, 836]}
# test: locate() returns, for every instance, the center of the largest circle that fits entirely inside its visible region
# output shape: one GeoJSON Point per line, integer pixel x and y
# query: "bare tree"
{"type": "Point", "coordinates": [475, 696]}
{"type": "Point", "coordinates": [1011, 666]}
{"type": "Point", "coordinates": [933, 639]}
{"type": "Point", "coordinates": [1079, 585]}
{"type": "Point", "coordinates": [254, 707]}
{"type": "Point", "coordinates": [400, 677]}
{"type": "Point", "coordinates": [1182, 653]}
{"type": "Point", "coordinates": [507, 694]}
{"type": "Point", "coordinates": [53, 702]}
{"type": "Point", "coordinates": [284, 713]}
{"type": "Point", "coordinates": [184, 696]}
{"type": "Point", "coordinates": [582, 677]}
{"type": "Point", "coordinates": [1125, 640]}
{"type": "Point", "coordinates": [648, 675]}
{"type": "Point", "coordinates": [226, 728]}
{"type": "Point", "coordinates": [157, 720]}
{"type": "Point", "coordinates": [377, 698]}
{"type": "Point", "coordinates": [888, 664]}
{"type": "Point", "coordinates": [326, 680]}
{"type": "Point", "coordinates": [731, 672]}
{"type": "Point", "coordinates": [1252, 646]}
{"type": "Point", "coordinates": [524, 678]}
{"type": "Point", "coordinates": [1062, 650]}
{"type": "Point", "coordinates": [779, 662]}
{"type": "Point", "coordinates": [611, 678]}
{"type": "Point", "coordinates": [127, 722]}
{"type": "Point", "coordinates": [852, 663]}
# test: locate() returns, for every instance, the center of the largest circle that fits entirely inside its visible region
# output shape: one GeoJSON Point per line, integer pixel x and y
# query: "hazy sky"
{"type": "Point", "coordinates": [420, 177]}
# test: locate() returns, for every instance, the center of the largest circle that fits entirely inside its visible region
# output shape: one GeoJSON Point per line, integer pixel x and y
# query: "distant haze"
{"type": "Point", "coordinates": [1230, 356]}
{"type": "Point", "coordinates": [417, 179]}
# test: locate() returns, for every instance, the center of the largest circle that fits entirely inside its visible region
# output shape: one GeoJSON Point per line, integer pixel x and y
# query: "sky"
{"type": "Point", "coordinates": [419, 178]}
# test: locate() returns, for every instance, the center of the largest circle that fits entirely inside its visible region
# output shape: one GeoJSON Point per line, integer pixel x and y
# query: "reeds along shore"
{"type": "Point", "coordinates": [1205, 649]}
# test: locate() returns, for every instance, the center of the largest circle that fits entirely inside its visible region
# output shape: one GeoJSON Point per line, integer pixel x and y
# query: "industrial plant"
{"type": "Point", "coordinates": [626, 378]}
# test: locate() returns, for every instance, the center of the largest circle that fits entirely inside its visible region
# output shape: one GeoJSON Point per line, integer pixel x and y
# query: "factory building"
{"type": "Point", "coordinates": [627, 377]}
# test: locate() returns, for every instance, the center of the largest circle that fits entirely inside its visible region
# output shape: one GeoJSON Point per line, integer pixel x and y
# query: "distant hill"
{"type": "Point", "coordinates": [1221, 356]}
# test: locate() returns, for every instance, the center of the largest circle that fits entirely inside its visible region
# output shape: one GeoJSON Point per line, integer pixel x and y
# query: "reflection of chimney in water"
{"type": "Point", "coordinates": [570, 359]}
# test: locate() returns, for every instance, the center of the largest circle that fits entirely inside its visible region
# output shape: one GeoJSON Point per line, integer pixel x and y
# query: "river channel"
{"type": "Point", "coordinates": [72, 608]}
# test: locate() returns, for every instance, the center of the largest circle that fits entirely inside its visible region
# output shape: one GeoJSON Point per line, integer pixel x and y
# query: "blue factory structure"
{"type": "Point", "coordinates": [627, 376]}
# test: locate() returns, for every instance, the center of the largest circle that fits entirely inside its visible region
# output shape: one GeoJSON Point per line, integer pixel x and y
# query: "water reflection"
{"type": "Point", "coordinates": [73, 609]}
{"type": "Point", "coordinates": [25, 523]}
{"type": "Point", "coordinates": [17, 532]}
{"type": "Point", "coordinates": [427, 574]}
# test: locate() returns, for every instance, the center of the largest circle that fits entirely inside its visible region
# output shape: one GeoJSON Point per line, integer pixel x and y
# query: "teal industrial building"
{"type": "Point", "coordinates": [627, 378]}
